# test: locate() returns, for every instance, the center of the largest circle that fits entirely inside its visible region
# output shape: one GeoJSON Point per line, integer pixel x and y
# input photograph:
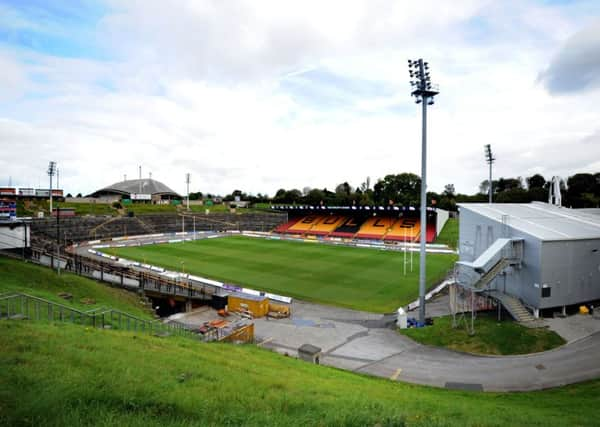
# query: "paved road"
{"type": "Point", "coordinates": [358, 342]}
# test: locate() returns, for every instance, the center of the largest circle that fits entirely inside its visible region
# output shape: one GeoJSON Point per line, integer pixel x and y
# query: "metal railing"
{"type": "Point", "coordinates": [24, 306]}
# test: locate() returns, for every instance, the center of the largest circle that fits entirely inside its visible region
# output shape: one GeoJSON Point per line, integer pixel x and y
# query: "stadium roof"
{"type": "Point", "coordinates": [383, 208]}
{"type": "Point", "coordinates": [137, 186]}
{"type": "Point", "coordinates": [542, 220]}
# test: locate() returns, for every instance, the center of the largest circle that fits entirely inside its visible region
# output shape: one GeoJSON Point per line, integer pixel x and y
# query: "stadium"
{"type": "Point", "coordinates": [304, 255]}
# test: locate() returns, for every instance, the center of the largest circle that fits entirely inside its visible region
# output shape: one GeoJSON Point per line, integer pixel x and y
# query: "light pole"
{"type": "Point", "coordinates": [489, 158]}
{"type": "Point", "coordinates": [423, 91]}
{"type": "Point", "coordinates": [51, 172]}
{"type": "Point", "coordinates": [187, 181]}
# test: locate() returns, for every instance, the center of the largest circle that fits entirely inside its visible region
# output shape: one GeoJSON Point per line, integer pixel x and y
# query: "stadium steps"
{"type": "Point", "coordinates": [81, 228]}
{"type": "Point", "coordinates": [516, 309]}
{"type": "Point", "coordinates": [146, 226]}
{"type": "Point", "coordinates": [389, 229]}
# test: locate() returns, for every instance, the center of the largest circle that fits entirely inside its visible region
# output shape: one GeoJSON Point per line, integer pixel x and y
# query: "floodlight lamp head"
{"type": "Point", "coordinates": [418, 100]}
{"type": "Point", "coordinates": [488, 154]}
{"type": "Point", "coordinates": [430, 101]}
{"type": "Point", "coordinates": [51, 168]}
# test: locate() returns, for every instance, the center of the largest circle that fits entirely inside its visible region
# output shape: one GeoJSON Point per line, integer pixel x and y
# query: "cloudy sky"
{"type": "Point", "coordinates": [258, 95]}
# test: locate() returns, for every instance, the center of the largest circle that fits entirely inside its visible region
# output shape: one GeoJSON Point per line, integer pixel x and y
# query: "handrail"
{"type": "Point", "coordinates": [96, 318]}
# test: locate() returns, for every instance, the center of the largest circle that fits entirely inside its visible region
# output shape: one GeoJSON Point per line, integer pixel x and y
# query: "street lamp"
{"type": "Point", "coordinates": [51, 172]}
{"type": "Point", "coordinates": [423, 91]}
{"type": "Point", "coordinates": [489, 158]}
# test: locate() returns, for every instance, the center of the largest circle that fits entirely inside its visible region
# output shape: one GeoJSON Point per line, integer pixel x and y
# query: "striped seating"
{"type": "Point", "coordinates": [404, 229]}
{"type": "Point", "coordinates": [327, 224]}
{"type": "Point", "coordinates": [284, 227]}
{"type": "Point", "coordinates": [386, 228]}
{"type": "Point", "coordinates": [375, 227]}
{"type": "Point", "coordinates": [348, 228]}
{"type": "Point", "coordinates": [305, 224]}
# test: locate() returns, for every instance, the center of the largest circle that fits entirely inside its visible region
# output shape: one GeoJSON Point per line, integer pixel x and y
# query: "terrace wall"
{"type": "Point", "coordinates": [76, 229]}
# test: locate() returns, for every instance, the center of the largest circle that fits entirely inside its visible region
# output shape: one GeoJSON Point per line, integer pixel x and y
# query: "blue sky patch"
{"type": "Point", "coordinates": [59, 28]}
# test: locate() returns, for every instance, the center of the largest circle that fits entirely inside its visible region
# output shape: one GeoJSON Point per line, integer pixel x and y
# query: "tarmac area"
{"type": "Point", "coordinates": [368, 343]}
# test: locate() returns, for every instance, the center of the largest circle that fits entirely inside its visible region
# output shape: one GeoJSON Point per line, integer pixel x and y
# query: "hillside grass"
{"type": "Point", "coordinates": [42, 282]}
{"type": "Point", "coordinates": [491, 337]}
{"type": "Point", "coordinates": [67, 375]}
{"type": "Point", "coordinates": [358, 278]}
{"type": "Point", "coordinates": [449, 234]}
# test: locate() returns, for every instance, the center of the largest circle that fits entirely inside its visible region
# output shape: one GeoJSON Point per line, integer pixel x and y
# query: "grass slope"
{"type": "Point", "coordinates": [64, 375]}
{"type": "Point", "coordinates": [449, 234]}
{"type": "Point", "coordinates": [18, 276]}
{"type": "Point", "coordinates": [363, 279]}
{"type": "Point", "coordinates": [491, 336]}
{"type": "Point", "coordinates": [31, 208]}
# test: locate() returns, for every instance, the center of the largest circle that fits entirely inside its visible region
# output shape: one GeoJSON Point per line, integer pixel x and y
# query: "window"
{"type": "Point", "coordinates": [546, 291]}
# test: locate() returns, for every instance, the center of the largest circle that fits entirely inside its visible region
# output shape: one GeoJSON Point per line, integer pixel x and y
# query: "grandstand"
{"type": "Point", "coordinates": [384, 223]}
{"type": "Point", "coordinates": [75, 229]}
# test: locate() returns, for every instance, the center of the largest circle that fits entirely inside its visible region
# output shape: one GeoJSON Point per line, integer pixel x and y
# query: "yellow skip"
{"type": "Point", "coordinates": [396, 374]}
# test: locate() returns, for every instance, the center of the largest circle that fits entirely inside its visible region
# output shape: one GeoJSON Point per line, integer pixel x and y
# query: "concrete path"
{"type": "Point", "coordinates": [574, 327]}
{"type": "Point", "coordinates": [360, 342]}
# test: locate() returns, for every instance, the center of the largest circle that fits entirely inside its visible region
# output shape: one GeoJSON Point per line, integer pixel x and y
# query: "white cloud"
{"type": "Point", "coordinates": [576, 66]}
{"type": "Point", "coordinates": [203, 88]}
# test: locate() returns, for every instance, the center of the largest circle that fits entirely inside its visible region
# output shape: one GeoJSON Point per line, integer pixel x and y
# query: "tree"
{"type": "Point", "coordinates": [535, 181]}
{"type": "Point", "coordinates": [68, 195]}
{"type": "Point", "coordinates": [366, 185]}
{"type": "Point", "coordinates": [279, 196]}
{"type": "Point", "coordinates": [314, 197]}
{"type": "Point", "coordinates": [403, 189]}
{"type": "Point", "coordinates": [505, 184]}
{"type": "Point", "coordinates": [343, 193]}
{"type": "Point", "coordinates": [583, 190]}
{"type": "Point", "coordinates": [79, 195]}
{"type": "Point", "coordinates": [449, 190]}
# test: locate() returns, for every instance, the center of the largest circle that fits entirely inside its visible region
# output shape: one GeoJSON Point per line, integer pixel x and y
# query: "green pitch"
{"type": "Point", "coordinates": [363, 279]}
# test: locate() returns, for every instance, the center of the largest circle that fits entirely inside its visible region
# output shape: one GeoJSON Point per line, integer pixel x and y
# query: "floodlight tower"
{"type": "Point", "coordinates": [423, 91]}
{"type": "Point", "coordinates": [187, 181]}
{"type": "Point", "coordinates": [489, 158]}
{"type": "Point", "coordinates": [51, 172]}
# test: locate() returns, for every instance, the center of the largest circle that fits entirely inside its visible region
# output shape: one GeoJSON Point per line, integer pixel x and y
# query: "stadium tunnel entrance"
{"type": "Point", "coordinates": [165, 306]}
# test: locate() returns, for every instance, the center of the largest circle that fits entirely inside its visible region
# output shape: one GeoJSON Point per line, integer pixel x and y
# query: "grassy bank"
{"type": "Point", "coordinates": [363, 279]}
{"type": "Point", "coordinates": [449, 234]}
{"type": "Point", "coordinates": [491, 336]}
{"type": "Point", "coordinates": [18, 276]}
{"type": "Point", "coordinates": [59, 375]}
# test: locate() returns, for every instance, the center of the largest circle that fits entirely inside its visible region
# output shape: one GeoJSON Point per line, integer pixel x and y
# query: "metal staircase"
{"type": "Point", "coordinates": [477, 275]}
{"type": "Point", "coordinates": [515, 308]}
{"type": "Point", "coordinates": [486, 278]}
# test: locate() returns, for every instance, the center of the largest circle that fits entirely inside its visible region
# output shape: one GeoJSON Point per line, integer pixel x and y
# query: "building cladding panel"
{"type": "Point", "coordinates": [571, 270]}
{"type": "Point", "coordinates": [561, 250]}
